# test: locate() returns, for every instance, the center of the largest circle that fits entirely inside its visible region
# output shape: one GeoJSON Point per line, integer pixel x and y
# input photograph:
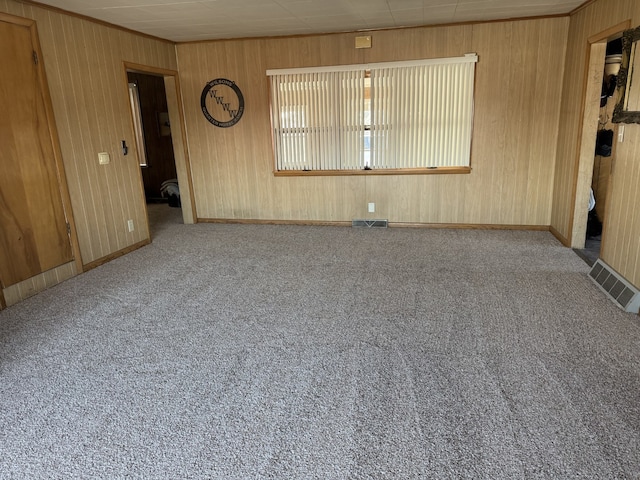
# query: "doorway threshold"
{"type": "Point", "coordinates": [591, 251]}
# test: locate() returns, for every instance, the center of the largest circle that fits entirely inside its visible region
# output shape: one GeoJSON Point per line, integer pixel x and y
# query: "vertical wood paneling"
{"type": "Point", "coordinates": [513, 142]}
{"type": "Point", "coordinates": [566, 138]}
{"type": "Point", "coordinates": [621, 247]}
{"type": "Point", "coordinates": [621, 237]}
{"type": "Point", "coordinates": [27, 288]}
{"type": "Point", "coordinates": [540, 177]}
{"type": "Point", "coordinates": [176, 115]}
{"type": "Point", "coordinates": [84, 65]}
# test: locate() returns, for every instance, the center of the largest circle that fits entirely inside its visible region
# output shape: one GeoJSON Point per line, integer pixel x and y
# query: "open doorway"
{"type": "Point", "coordinates": [604, 153]}
{"type": "Point", "coordinates": [153, 137]}
{"type": "Point", "coordinates": [597, 142]}
{"type": "Point", "coordinates": [148, 99]}
{"type": "Point", "coordinates": [157, 121]}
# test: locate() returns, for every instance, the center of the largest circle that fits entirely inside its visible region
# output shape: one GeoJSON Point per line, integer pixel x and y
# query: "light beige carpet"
{"type": "Point", "coordinates": [243, 351]}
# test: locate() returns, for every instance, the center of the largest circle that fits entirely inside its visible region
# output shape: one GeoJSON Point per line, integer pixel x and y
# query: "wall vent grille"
{"type": "Point", "coordinates": [623, 294]}
{"type": "Point", "coordinates": [370, 223]}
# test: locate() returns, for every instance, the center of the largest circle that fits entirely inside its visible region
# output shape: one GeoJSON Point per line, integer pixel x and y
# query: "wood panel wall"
{"type": "Point", "coordinates": [27, 288]}
{"type": "Point", "coordinates": [527, 89]}
{"type": "Point", "coordinates": [518, 88]}
{"type": "Point", "coordinates": [84, 65]}
{"type": "Point", "coordinates": [621, 238]}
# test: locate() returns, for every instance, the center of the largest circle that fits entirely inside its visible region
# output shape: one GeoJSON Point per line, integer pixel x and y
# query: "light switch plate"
{"type": "Point", "coordinates": [103, 158]}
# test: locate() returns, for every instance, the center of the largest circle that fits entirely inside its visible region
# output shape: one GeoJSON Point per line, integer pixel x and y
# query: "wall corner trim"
{"type": "Point", "coordinates": [560, 237]}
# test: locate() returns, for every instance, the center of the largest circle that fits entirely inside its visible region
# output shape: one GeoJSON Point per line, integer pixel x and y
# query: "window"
{"type": "Point", "coordinates": [397, 117]}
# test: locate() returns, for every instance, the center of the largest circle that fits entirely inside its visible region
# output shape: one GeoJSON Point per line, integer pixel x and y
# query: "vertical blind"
{"type": "Point", "coordinates": [395, 115]}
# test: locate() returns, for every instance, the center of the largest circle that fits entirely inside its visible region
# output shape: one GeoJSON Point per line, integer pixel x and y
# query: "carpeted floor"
{"type": "Point", "coordinates": [244, 351]}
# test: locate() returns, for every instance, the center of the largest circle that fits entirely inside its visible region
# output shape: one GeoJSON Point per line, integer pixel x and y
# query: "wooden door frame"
{"type": "Point", "coordinates": [54, 138]}
{"type": "Point", "coordinates": [594, 68]}
{"type": "Point", "coordinates": [179, 138]}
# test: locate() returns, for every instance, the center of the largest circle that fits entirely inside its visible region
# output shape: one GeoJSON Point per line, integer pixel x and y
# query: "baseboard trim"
{"type": "Point", "coordinates": [114, 255]}
{"type": "Point", "coordinates": [470, 226]}
{"type": "Point", "coordinates": [466, 226]}
{"type": "Point", "coordinates": [560, 237]}
{"type": "Point", "coordinates": [247, 221]}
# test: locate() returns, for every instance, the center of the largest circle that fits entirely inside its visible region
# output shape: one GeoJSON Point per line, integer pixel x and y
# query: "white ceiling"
{"type": "Point", "coordinates": [186, 20]}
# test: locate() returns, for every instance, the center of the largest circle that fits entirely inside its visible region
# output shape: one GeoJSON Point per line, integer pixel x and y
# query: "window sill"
{"type": "Point", "coordinates": [379, 171]}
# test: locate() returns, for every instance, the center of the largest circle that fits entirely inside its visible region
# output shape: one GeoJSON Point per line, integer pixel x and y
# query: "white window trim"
{"type": "Point", "coordinates": [466, 58]}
